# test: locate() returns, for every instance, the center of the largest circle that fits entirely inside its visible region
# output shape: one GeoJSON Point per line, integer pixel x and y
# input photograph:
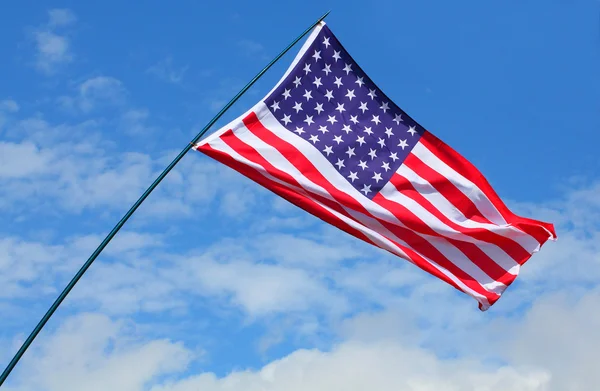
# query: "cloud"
{"type": "Point", "coordinates": [53, 48]}
{"type": "Point", "coordinates": [61, 17]}
{"type": "Point", "coordinates": [166, 71]}
{"type": "Point", "coordinates": [94, 93]}
{"type": "Point", "coordinates": [550, 349]}
{"type": "Point", "coordinates": [9, 105]}
{"type": "Point", "coordinates": [252, 49]}
{"type": "Point", "coordinates": [30, 268]}
{"type": "Point", "coordinates": [135, 122]}
{"type": "Point", "coordinates": [100, 353]}
{"type": "Point", "coordinates": [259, 289]}
{"type": "Point", "coordinates": [23, 159]}
{"type": "Point", "coordinates": [234, 272]}
{"type": "Point", "coordinates": [82, 170]}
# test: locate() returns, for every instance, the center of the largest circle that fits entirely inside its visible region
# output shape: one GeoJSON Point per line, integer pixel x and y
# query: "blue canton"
{"type": "Point", "coordinates": [329, 101]}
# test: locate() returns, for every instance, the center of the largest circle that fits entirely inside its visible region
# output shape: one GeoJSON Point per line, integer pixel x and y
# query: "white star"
{"type": "Point", "coordinates": [298, 81]}
{"type": "Point", "coordinates": [366, 189]}
{"type": "Point", "coordinates": [361, 140]}
{"type": "Point", "coordinates": [323, 129]}
{"type": "Point", "coordinates": [331, 118]}
{"type": "Point", "coordinates": [319, 108]}
{"type": "Point", "coordinates": [359, 81]}
{"type": "Point", "coordinates": [307, 95]}
{"type": "Point", "coordinates": [363, 165]}
{"type": "Point", "coordinates": [353, 176]}
{"type": "Point", "coordinates": [368, 130]}
{"type": "Point", "coordinates": [328, 150]}
{"type": "Point", "coordinates": [329, 95]}
{"type": "Point", "coordinates": [385, 106]}
{"type": "Point", "coordinates": [286, 94]}
{"type": "Point", "coordinates": [297, 107]}
{"type": "Point", "coordinates": [377, 177]}
{"type": "Point", "coordinates": [350, 94]}
{"type": "Point", "coordinates": [286, 118]}
{"type": "Point", "coordinates": [347, 128]}
{"type": "Point", "coordinates": [372, 153]}
{"type": "Point", "coordinates": [350, 152]}
{"type": "Point", "coordinates": [372, 94]}
{"type": "Point", "coordinates": [326, 42]}
{"type": "Point", "coordinates": [397, 119]}
{"type": "Point", "coordinates": [299, 130]}
{"type": "Point", "coordinates": [340, 108]}
{"type": "Point", "coordinates": [411, 130]}
{"type": "Point", "coordinates": [275, 106]}
{"type": "Point", "coordinates": [317, 82]}
{"type": "Point", "coordinates": [340, 164]}
{"type": "Point", "coordinates": [376, 119]}
{"type": "Point", "coordinates": [386, 166]}
{"type": "Point", "coordinates": [307, 68]}
{"type": "Point", "coordinates": [317, 55]}
{"type": "Point", "coordinates": [336, 55]}
{"type": "Point", "coordinates": [363, 107]}
{"type": "Point", "coordinates": [348, 69]}
{"type": "Point", "coordinates": [403, 144]}
{"type": "Point", "coordinates": [338, 139]}
{"type": "Point", "coordinates": [381, 142]}
{"type": "Point", "coordinates": [314, 138]}
{"type": "Point", "coordinates": [338, 82]}
{"type": "Point", "coordinates": [389, 132]}
{"type": "Point", "coordinates": [394, 156]}
{"type": "Point", "coordinates": [309, 120]}
{"type": "Point", "coordinates": [327, 69]}
{"type": "Point", "coordinates": [354, 118]}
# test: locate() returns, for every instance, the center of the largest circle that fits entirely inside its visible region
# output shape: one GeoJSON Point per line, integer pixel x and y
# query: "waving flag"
{"type": "Point", "coordinates": [327, 139]}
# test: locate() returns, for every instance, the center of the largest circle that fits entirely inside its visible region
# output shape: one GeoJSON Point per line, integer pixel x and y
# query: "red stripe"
{"type": "Point", "coordinates": [508, 245]}
{"type": "Point", "coordinates": [458, 163]}
{"type": "Point", "coordinates": [296, 158]}
{"type": "Point", "coordinates": [447, 189]}
{"type": "Point", "coordinates": [470, 250]}
{"type": "Point", "coordinates": [312, 207]}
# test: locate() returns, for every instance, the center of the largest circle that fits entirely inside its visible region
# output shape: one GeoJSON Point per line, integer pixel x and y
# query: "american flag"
{"type": "Point", "coordinates": [327, 139]}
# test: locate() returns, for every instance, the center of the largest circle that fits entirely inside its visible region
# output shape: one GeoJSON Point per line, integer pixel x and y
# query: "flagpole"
{"type": "Point", "coordinates": [123, 220]}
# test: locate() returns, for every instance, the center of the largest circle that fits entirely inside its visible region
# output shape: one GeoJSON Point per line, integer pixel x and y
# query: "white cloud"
{"type": "Point", "coordinates": [355, 366]}
{"type": "Point", "coordinates": [550, 349]}
{"type": "Point", "coordinates": [30, 268]}
{"type": "Point", "coordinates": [96, 353]}
{"type": "Point", "coordinates": [23, 159]}
{"type": "Point", "coordinates": [95, 92]}
{"type": "Point", "coordinates": [259, 289]}
{"type": "Point", "coordinates": [561, 333]}
{"type": "Point", "coordinates": [232, 272]}
{"type": "Point", "coordinates": [166, 71]}
{"type": "Point", "coordinates": [61, 17]}
{"type": "Point", "coordinates": [9, 105]}
{"type": "Point", "coordinates": [53, 49]}
{"type": "Point", "coordinates": [252, 49]}
{"type": "Point", "coordinates": [135, 122]}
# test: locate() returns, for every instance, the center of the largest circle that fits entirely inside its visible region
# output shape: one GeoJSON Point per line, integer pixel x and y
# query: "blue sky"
{"type": "Point", "coordinates": [215, 283]}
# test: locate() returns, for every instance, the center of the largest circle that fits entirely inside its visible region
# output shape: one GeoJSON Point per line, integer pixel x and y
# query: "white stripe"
{"type": "Point", "coordinates": [468, 188]}
{"type": "Point", "coordinates": [496, 253]}
{"type": "Point", "coordinates": [377, 238]}
{"type": "Point", "coordinates": [445, 207]}
{"type": "Point", "coordinates": [279, 161]}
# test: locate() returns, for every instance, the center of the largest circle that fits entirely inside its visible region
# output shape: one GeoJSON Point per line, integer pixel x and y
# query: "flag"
{"type": "Point", "coordinates": [328, 140]}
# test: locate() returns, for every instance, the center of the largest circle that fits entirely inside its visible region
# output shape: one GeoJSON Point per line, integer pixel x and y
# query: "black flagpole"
{"type": "Point", "coordinates": [120, 224]}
